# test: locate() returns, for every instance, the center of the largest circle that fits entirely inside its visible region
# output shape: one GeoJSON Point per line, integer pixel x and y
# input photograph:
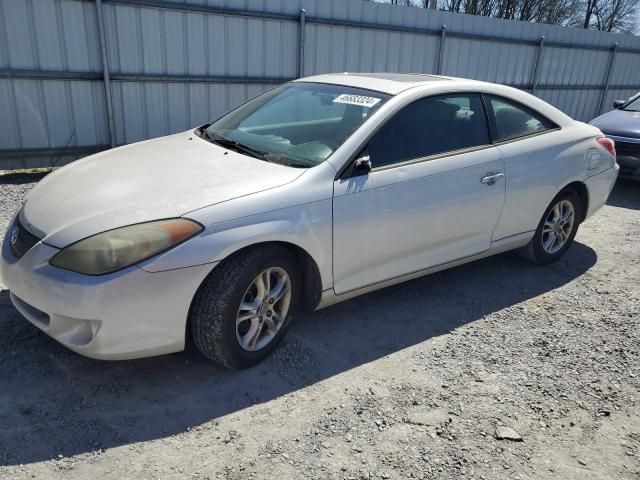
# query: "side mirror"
{"type": "Point", "coordinates": [363, 164]}
{"type": "Point", "coordinates": [618, 103]}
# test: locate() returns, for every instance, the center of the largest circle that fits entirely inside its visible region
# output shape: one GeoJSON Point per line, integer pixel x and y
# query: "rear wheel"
{"type": "Point", "coordinates": [243, 309]}
{"type": "Point", "coordinates": [556, 229]}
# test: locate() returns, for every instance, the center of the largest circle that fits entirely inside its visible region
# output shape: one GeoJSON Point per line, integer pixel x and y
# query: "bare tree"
{"type": "Point", "coordinates": [431, 4]}
{"type": "Point", "coordinates": [616, 15]}
{"type": "Point", "coordinates": [589, 7]}
{"type": "Point", "coordinates": [560, 12]}
{"type": "Point", "coordinates": [485, 8]}
{"type": "Point", "coordinates": [529, 10]}
{"type": "Point", "coordinates": [451, 5]}
{"type": "Point", "coordinates": [606, 15]}
{"type": "Point", "coordinates": [609, 15]}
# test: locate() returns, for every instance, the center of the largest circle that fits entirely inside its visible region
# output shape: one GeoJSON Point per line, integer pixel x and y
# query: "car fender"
{"type": "Point", "coordinates": [307, 226]}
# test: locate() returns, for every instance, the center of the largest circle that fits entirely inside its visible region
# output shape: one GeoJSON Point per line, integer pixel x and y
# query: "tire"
{"type": "Point", "coordinates": [535, 250]}
{"type": "Point", "coordinates": [215, 308]}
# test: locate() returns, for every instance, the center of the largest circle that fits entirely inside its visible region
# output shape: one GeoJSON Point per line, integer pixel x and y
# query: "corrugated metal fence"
{"type": "Point", "coordinates": [77, 76]}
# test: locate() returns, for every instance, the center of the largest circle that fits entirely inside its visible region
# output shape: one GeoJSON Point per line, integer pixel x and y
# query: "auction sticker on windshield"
{"type": "Point", "coordinates": [361, 100]}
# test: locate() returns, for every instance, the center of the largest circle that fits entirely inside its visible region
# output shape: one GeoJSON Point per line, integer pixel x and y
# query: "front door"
{"type": "Point", "coordinates": [434, 194]}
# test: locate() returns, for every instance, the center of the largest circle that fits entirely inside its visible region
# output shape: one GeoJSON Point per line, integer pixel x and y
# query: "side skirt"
{"type": "Point", "coordinates": [329, 297]}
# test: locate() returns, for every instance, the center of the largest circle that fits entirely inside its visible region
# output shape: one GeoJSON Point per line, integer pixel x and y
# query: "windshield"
{"type": "Point", "coordinates": [300, 122]}
{"type": "Point", "coordinates": [633, 105]}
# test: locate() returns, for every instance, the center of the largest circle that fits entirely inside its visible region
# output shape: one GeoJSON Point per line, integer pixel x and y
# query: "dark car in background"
{"type": "Point", "coordinates": [622, 125]}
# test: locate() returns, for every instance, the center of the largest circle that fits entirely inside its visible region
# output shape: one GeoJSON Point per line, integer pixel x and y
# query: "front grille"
{"type": "Point", "coordinates": [21, 241]}
{"type": "Point", "coordinates": [629, 171]}
{"type": "Point", "coordinates": [628, 149]}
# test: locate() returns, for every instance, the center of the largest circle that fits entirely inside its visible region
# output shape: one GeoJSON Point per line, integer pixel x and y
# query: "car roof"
{"type": "Point", "coordinates": [396, 83]}
{"type": "Point", "coordinates": [391, 83]}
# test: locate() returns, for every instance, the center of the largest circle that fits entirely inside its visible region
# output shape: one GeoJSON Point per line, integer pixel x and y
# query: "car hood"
{"type": "Point", "coordinates": [620, 123]}
{"type": "Point", "coordinates": [156, 179]}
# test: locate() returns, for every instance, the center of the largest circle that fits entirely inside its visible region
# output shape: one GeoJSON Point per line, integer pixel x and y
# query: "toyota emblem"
{"type": "Point", "coordinates": [14, 235]}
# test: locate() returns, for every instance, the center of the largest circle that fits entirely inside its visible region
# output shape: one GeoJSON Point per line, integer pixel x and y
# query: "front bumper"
{"type": "Point", "coordinates": [128, 314]}
{"type": "Point", "coordinates": [629, 166]}
{"type": "Point", "coordinates": [628, 156]}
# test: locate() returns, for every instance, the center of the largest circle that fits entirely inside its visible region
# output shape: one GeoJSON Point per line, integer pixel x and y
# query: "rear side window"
{"type": "Point", "coordinates": [430, 126]}
{"type": "Point", "coordinates": [513, 120]}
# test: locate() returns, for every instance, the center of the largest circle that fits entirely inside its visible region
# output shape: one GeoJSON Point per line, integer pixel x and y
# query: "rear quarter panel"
{"type": "Point", "coordinates": [539, 167]}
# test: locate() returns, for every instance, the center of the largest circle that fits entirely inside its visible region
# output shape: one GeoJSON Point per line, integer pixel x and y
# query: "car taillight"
{"type": "Point", "coordinates": [609, 144]}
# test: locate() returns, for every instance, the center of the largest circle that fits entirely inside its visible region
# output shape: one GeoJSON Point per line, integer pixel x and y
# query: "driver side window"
{"type": "Point", "coordinates": [430, 126]}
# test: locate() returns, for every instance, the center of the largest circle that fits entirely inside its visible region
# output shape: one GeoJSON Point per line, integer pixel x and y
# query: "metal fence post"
{"type": "Point", "coordinates": [605, 89]}
{"type": "Point", "coordinates": [443, 35]}
{"type": "Point", "coordinates": [303, 19]}
{"type": "Point", "coordinates": [105, 74]}
{"type": "Point", "coordinates": [536, 68]}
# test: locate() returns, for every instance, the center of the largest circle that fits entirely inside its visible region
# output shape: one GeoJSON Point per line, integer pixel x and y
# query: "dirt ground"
{"type": "Point", "coordinates": [409, 382]}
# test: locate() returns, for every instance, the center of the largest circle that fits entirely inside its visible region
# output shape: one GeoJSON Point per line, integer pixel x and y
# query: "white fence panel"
{"type": "Point", "coordinates": [174, 64]}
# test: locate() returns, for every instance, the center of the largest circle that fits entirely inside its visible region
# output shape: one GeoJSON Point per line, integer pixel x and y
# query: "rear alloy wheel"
{"type": "Point", "coordinates": [244, 307]}
{"type": "Point", "coordinates": [558, 226]}
{"type": "Point", "coordinates": [556, 229]}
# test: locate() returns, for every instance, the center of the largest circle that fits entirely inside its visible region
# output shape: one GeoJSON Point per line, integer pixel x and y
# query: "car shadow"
{"type": "Point", "coordinates": [21, 178]}
{"type": "Point", "coordinates": [625, 194]}
{"type": "Point", "coordinates": [54, 402]}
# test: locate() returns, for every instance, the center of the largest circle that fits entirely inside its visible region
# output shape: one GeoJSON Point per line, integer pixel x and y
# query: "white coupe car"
{"type": "Point", "coordinates": [312, 193]}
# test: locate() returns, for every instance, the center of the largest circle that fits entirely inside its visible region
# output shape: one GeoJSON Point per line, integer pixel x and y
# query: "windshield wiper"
{"type": "Point", "coordinates": [284, 160]}
{"type": "Point", "coordinates": [237, 146]}
{"type": "Point", "coordinates": [246, 149]}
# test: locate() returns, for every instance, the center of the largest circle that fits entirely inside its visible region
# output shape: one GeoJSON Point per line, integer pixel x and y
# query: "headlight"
{"type": "Point", "coordinates": [116, 249]}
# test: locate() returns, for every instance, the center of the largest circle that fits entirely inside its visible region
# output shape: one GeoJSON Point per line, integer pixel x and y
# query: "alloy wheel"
{"type": "Point", "coordinates": [263, 309]}
{"type": "Point", "coordinates": [558, 226]}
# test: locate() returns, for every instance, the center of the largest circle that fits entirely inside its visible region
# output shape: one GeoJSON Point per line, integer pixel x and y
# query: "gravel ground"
{"type": "Point", "coordinates": [414, 381]}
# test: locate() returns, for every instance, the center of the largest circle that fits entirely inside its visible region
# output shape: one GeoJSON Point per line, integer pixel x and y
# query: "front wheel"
{"type": "Point", "coordinates": [244, 307]}
{"type": "Point", "coordinates": [556, 229]}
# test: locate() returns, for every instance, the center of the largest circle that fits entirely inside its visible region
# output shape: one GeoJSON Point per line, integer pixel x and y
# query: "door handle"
{"type": "Point", "coordinates": [491, 178]}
